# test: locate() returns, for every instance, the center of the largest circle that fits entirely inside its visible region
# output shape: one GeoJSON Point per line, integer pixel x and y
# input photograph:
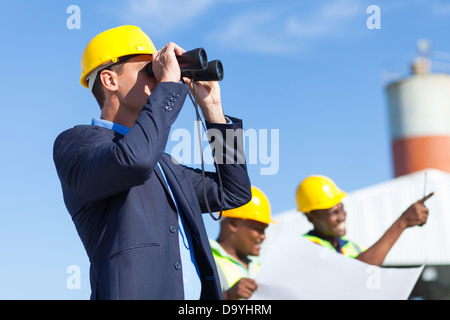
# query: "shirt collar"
{"type": "Point", "coordinates": [110, 125]}
{"type": "Point", "coordinates": [341, 240]}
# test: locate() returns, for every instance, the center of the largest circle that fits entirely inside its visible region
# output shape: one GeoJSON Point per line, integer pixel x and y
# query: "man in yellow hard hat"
{"type": "Point", "coordinates": [320, 199]}
{"type": "Point", "coordinates": [137, 211]}
{"type": "Point", "coordinates": [242, 231]}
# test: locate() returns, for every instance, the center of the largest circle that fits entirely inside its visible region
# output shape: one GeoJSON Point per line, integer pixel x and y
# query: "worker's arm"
{"type": "Point", "coordinates": [415, 215]}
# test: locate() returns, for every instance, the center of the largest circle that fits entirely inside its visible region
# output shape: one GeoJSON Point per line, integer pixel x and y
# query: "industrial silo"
{"type": "Point", "coordinates": [419, 108]}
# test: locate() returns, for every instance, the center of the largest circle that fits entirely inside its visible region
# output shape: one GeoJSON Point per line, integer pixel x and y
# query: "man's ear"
{"type": "Point", "coordinates": [310, 216]}
{"type": "Point", "coordinates": [233, 223]}
{"type": "Point", "coordinates": [109, 80]}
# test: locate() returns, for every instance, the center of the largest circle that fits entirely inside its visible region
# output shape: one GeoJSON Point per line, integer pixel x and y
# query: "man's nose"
{"type": "Point", "coordinates": [262, 235]}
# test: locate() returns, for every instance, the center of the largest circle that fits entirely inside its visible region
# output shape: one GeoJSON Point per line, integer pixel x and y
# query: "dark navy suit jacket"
{"type": "Point", "coordinates": [123, 211]}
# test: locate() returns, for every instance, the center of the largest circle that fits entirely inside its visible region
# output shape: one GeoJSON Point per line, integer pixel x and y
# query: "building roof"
{"type": "Point", "coordinates": [372, 210]}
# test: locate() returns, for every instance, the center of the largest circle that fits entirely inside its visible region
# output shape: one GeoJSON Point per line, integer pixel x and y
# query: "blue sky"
{"type": "Point", "coordinates": [311, 70]}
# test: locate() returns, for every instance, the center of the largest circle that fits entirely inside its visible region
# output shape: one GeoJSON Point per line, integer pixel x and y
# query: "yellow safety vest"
{"type": "Point", "coordinates": [230, 269]}
{"type": "Point", "coordinates": [346, 247]}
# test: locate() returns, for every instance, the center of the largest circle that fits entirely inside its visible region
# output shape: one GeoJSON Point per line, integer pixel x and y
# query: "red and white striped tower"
{"type": "Point", "coordinates": [419, 109]}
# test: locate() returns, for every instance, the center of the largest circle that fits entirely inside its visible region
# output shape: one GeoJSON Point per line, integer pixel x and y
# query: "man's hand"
{"type": "Point", "coordinates": [165, 64]}
{"type": "Point", "coordinates": [166, 69]}
{"type": "Point", "coordinates": [416, 214]}
{"type": "Point", "coordinates": [242, 289]}
{"type": "Point", "coordinates": [207, 94]}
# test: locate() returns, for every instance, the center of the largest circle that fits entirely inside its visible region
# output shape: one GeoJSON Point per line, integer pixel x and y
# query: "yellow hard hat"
{"type": "Point", "coordinates": [316, 193]}
{"type": "Point", "coordinates": [257, 209]}
{"type": "Point", "coordinates": [108, 46]}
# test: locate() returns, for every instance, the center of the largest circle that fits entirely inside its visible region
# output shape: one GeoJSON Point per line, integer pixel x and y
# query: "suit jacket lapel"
{"type": "Point", "coordinates": [163, 182]}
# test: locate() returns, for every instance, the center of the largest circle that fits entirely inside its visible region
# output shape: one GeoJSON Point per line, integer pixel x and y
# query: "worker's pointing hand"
{"type": "Point", "coordinates": [422, 201]}
{"type": "Point", "coordinates": [416, 214]}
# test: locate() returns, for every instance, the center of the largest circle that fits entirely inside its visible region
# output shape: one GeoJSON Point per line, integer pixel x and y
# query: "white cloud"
{"type": "Point", "coordinates": [250, 25]}
{"type": "Point", "coordinates": [288, 28]}
{"type": "Point", "coordinates": [163, 16]}
{"type": "Point", "coordinates": [249, 33]}
{"type": "Point", "coordinates": [330, 19]}
{"type": "Point", "coordinates": [441, 9]}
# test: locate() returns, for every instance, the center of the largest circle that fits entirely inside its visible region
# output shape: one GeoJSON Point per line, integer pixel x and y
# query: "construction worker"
{"type": "Point", "coordinates": [137, 211]}
{"type": "Point", "coordinates": [242, 230]}
{"type": "Point", "coordinates": [320, 199]}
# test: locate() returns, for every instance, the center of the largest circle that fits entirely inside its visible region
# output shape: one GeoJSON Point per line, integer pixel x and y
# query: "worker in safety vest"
{"type": "Point", "coordinates": [320, 199]}
{"type": "Point", "coordinates": [242, 230]}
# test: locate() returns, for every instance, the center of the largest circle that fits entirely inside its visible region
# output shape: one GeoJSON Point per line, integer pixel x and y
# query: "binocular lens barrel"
{"type": "Point", "coordinates": [213, 72]}
{"type": "Point", "coordinates": [193, 60]}
{"type": "Point", "coordinates": [194, 64]}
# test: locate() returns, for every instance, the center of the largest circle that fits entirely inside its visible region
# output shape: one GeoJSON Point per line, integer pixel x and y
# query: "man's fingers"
{"type": "Point", "coordinates": [178, 50]}
{"type": "Point", "coordinates": [422, 201]}
{"type": "Point", "coordinates": [173, 47]}
{"type": "Point", "coordinates": [253, 285]}
{"type": "Point", "coordinates": [250, 283]}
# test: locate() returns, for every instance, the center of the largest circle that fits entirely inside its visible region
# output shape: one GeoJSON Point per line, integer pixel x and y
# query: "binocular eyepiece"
{"type": "Point", "coordinates": [194, 64]}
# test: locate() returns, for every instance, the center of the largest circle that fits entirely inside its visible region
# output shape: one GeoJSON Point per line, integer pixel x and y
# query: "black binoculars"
{"type": "Point", "coordinates": [194, 64]}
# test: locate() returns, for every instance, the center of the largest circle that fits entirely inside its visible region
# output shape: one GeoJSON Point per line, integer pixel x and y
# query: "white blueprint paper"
{"type": "Point", "coordinates": [296, 268]}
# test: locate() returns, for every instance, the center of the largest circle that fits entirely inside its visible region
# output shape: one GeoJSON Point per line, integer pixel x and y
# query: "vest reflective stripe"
{"type": "Point", "coordinates": [350, 249]}
{"type": "Point", "coordinates": [230, 269]}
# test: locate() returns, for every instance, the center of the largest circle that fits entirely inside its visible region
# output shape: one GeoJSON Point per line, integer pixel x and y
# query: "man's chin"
{"type": "Point", "coordinates": [255, 251]}
{"type": "Point", "coordinates": [340, 232]}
